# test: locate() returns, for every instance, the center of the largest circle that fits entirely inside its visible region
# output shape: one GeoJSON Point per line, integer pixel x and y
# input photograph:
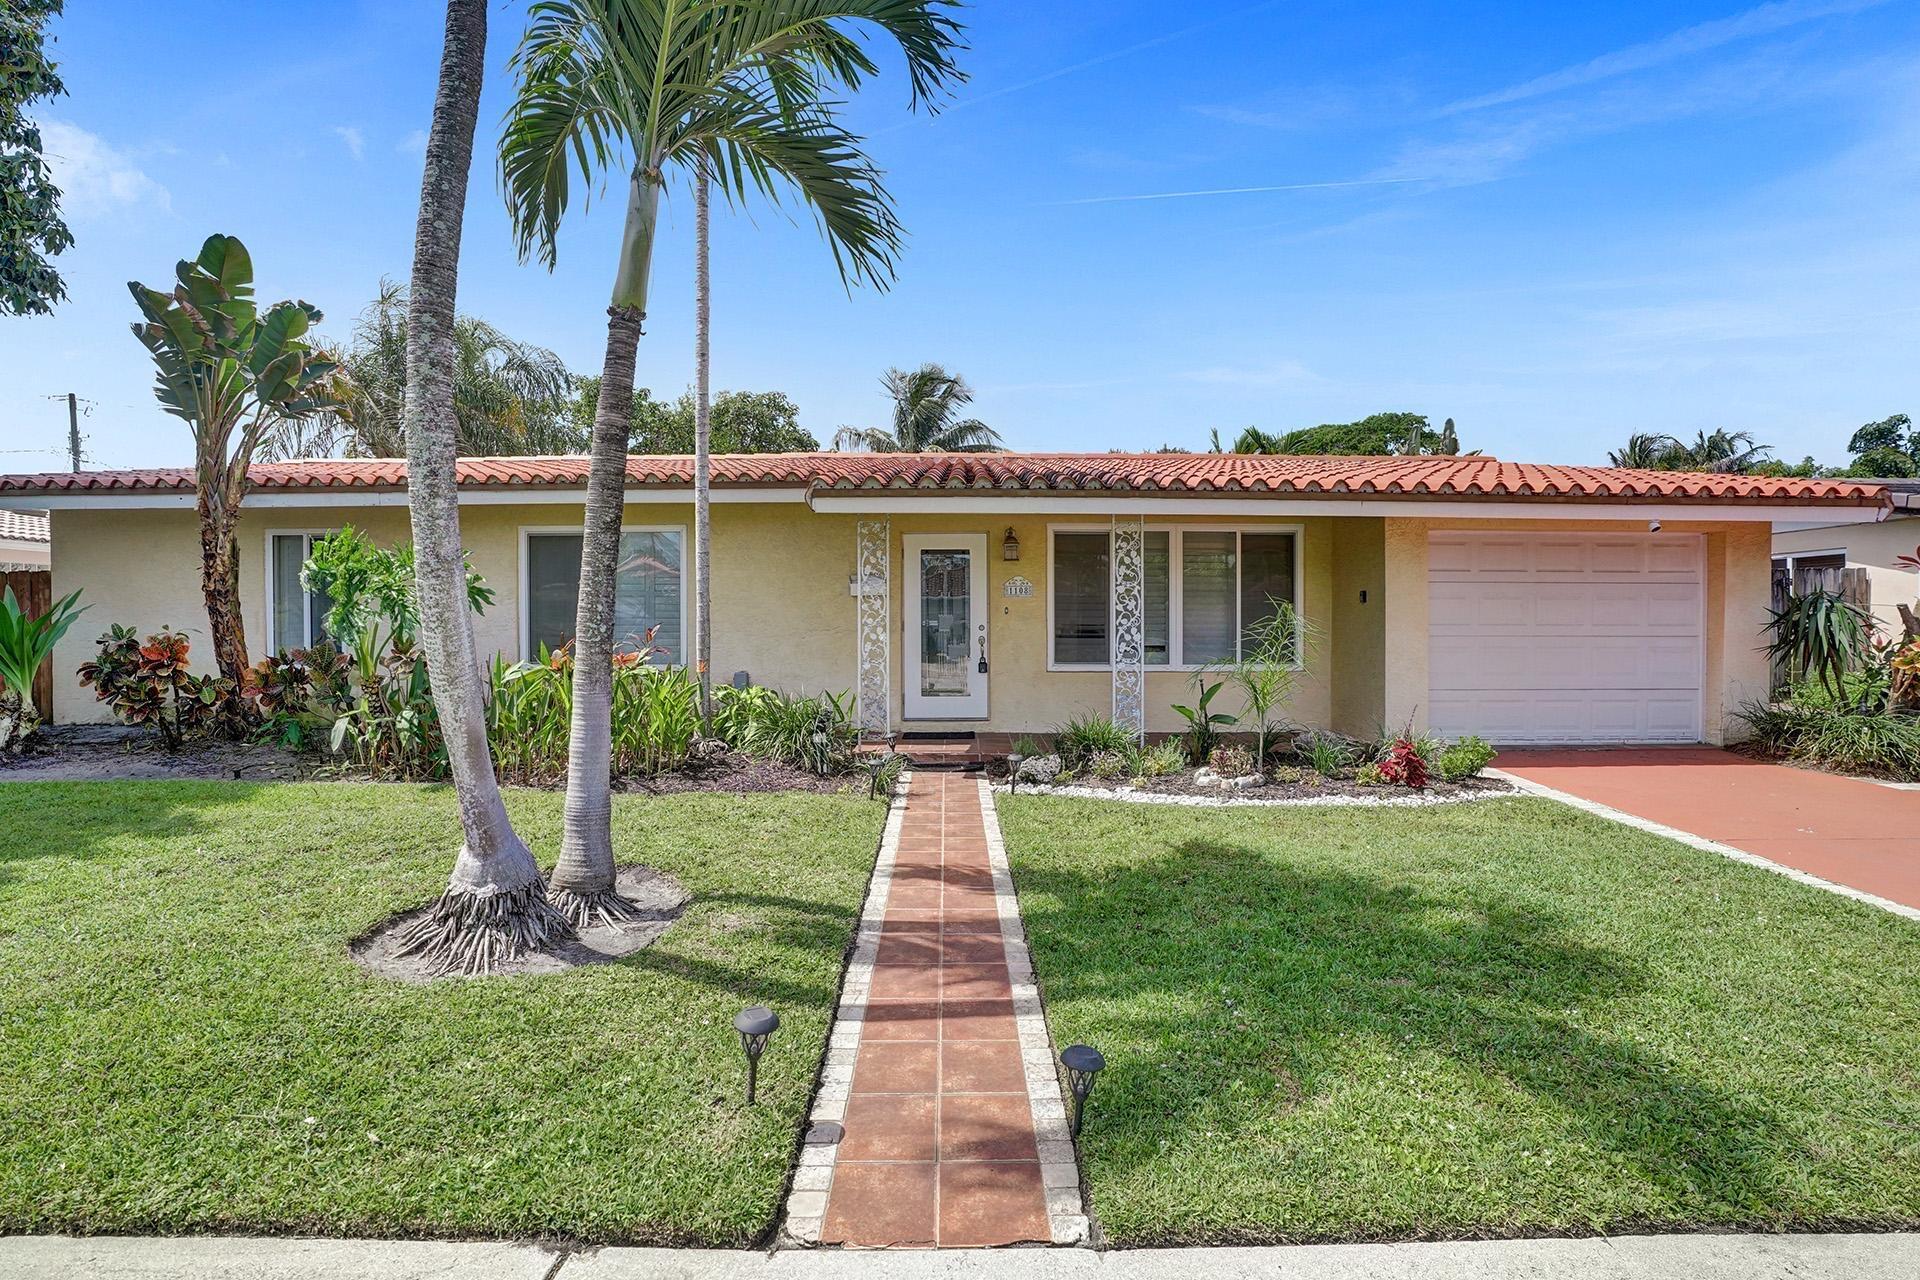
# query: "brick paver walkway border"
{"type": "Point", "coordinates": [940, 1120]}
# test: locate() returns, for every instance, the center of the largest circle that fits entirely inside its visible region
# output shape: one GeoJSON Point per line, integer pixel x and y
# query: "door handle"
{"type": "Point", "coordinates": [983, 653]}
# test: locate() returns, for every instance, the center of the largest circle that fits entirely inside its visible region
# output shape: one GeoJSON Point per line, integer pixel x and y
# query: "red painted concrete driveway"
{"type": "Point", "coordinates": [1855, 833]}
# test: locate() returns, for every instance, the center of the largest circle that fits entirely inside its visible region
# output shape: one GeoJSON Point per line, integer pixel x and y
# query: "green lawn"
{"type": "Point", "coordinates": [184, 1044]}
{"type": "Point", "coordinates": [1492, 1019]}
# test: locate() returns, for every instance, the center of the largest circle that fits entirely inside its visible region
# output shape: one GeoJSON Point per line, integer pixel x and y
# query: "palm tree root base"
{"type": "Point", "coordinates": [587, 909]}
{"type": "Point", "coordinates": [473, 933]}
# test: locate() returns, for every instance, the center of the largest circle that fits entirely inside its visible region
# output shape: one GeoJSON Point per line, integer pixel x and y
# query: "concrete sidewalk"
{"type": "Point", "coordinates": [1691, 1257]}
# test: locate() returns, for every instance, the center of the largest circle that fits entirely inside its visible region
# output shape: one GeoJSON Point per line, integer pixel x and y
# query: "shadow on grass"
{"type": "Point", "coordinates": [92, 820]}
{"type": "Point", "coordinates": [1213, 962]}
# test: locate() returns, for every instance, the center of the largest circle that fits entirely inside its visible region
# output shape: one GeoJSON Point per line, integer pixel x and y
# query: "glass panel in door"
{"type": "Point", "coordinates": [946, 623]}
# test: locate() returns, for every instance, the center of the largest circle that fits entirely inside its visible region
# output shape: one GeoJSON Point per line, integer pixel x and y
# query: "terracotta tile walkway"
{"type": "Point", "coordinates": [953, 1098]}
{"type": "Point", "coordinates": [1844, 830]}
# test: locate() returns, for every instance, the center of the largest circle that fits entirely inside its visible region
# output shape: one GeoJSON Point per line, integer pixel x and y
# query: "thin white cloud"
{"type": "Point", "coordinates": [355, 140]}
{"type": "Point", "coordinates": [1764, 20]}
{"type": "Point", "coordinates": [94, 176]}
{"type": "Point", "coordinates": [414, 144]}
{"type": "Point", "coordinates": [1235, 191]}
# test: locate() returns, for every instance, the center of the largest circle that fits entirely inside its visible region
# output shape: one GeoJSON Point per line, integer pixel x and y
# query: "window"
{"type": "Point", "coordinates": [647, 590]}
{"type": "Point", "coordinates": [1205, 591]}
{"type": "Point", "coordinates": [296, 617]}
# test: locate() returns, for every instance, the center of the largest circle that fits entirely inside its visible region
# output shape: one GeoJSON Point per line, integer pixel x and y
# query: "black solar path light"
{"type": "Point", "coordinates": [756, 1026]}
{"type": "Point", "coordinates": [1083, 1062]}
{"type": "Point", "coordinates": [1014, 761]}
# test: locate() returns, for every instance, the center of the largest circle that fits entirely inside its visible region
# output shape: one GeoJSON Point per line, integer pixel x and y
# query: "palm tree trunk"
{"type": "Point", "coordinates": [495, 906]}
{"type": "Point", "coordinates": [702, 443]}
{"type": "Point", "coordinates": [583, 878]}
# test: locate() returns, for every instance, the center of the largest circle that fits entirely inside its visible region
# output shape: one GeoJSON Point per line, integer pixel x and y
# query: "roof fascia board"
{"type": "Point", "coordinates": [880, 502]}
{"type": "Point", "coordinates": [102, 500]}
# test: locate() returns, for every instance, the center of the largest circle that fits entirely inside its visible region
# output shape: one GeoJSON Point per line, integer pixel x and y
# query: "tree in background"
{"type": "Point", "coordinates": [31, 229]}
{"type": "Point", "coordinates": [1727, 452]}
{"type": "Point", "coordinates": [927, 404]}
{"type": "Point", "coordinates": [495, 905]}
{"type": "Point", "coordinates": [1889, 448]}
{"type": "Point", "coordinates": [509, 397]}
{"type": "Point", "coordinates": [654, 88]}
{"type": "Point", "coordinates": [234, 376]}
{"type": "Point", "coordinates": [741, 421]}
{"type": "Point", "coordinates": [1376, 435]}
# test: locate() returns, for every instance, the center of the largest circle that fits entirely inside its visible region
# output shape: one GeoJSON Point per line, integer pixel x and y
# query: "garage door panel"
{"type": "Point", "coordinates": [1565, 637]}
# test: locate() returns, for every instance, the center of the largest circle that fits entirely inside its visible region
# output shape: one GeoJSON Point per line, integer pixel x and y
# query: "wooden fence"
{"type": "Point", "coordinates": [1851, 585]}
{"type": "Point", "coordinates": [33, 588]}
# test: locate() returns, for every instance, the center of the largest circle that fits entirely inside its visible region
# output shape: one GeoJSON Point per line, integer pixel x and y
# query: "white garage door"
{"type": "Point", "coordinates": [1565, 637]}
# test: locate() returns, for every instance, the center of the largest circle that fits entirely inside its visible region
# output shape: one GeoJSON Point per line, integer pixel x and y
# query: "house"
{"type": "Point", "coordinates": [1801, 545]}
{"type": "Point", "coordinates": [1004, 592]}
{"type": "Point", "coordinates": [24, 540]}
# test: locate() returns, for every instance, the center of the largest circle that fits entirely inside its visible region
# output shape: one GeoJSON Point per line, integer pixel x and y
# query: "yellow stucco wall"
{"type": "Point", "coordinates": [1873, 547]}
{"type": "Point", "coordinates": [783, 613]}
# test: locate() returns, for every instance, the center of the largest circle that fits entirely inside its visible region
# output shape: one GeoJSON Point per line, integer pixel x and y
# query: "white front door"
{"type": "Point", "coordinates": [1563, 637]}
{"type": "Point", "coordinates": [946, 626]}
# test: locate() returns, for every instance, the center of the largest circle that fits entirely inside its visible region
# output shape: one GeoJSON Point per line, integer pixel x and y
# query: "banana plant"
{"type": "Point", "coordinates": [234, 375]}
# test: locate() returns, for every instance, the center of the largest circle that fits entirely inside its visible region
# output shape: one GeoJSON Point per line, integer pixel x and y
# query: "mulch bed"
{"type": "Point", "coordinates": [98, 753]}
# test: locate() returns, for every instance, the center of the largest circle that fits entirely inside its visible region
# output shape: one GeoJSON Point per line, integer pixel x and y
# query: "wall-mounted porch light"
{"type": "Point", "coordinates": [1010, 545]}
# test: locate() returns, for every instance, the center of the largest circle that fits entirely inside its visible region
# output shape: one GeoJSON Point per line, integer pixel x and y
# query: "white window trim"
{"type": "Point", "coordinates": [523, 604]}
{"type": "Point", "coordinates": [306, 597]}
{"type": "Point", "coordinates": [1791, 556]}
{"type": "Point", "coordinates": [1176, 638]}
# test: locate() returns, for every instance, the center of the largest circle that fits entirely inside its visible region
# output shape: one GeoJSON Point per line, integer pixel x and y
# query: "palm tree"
{"type": "Point", "coordinates": [509, 397]}
{"type": "Point", "coordinates": [495, 906]}
{"type": "Point", "coordinates": [1730, 452]}
{"type": "Point", "coordinates": [652, 87]}
{"type": "Point", "coordinates": [1644, 452]}
{"type": "Point", "coordinates": [702, 445]}
{"type": "Point", "coordinates": [926, 417]}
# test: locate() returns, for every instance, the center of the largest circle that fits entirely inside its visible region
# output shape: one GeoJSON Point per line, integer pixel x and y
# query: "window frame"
{"type": "Point", "coordinates": [1176, 588]}
{"type": "Point", "coordinates": [523, 604]}
{"type": "Point", "coordinates": [274, 647]}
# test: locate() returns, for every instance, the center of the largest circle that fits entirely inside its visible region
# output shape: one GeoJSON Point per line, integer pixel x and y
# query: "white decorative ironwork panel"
{"type": "Point", "coordinates": [873, 547]}
{"type": "Point", "coordinates": [1130, 625]}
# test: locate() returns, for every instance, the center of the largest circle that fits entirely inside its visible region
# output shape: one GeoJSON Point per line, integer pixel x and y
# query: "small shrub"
{"type": "Point", "coordinates": [299, 694]}
{"type": "Point", "coordinates": [26, 643]}
{"type": "Point", "coordinates": [1082, 737]}
{"type": "Point", "coordinates": [148, 683]}
{"type": "Point", "coordinates": [1231, 762]}
{"type": "Point", "coordinates": [1203, 726]}
{"type": "Point", "coordinates": [1109, 765]}
{"type": "Point", "coordinates": [1881, 743]}
{"type": "Point", "coordinates": [1328, 754]}
{"type": "Point", "coordinates": [1403, 766]}
{"type": "Point", "coordinates": [1465, 759]}
{"type": "Point", "coordinates": [1288, 774]}
{"type": "Point", "coordinates": [1161, 759]}
{"type": "Point", "coordinates": [1370, 775]}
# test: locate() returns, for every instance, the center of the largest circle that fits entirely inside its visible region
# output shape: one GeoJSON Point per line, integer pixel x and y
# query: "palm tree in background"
{"type": "Point", "coordinates": [927, 403]}
{"type": "Point", "coordinates": [509, 397]}
{"type": "Point", "coordinates": [651, 89]}
{"type": "Point", "coordinates": [1728, 452]}
{"type": "Point", "coordinates": [495, 906]}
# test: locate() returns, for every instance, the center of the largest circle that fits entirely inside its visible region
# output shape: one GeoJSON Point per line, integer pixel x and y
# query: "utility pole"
{"type": "Point", "coordinates": [73, 428]}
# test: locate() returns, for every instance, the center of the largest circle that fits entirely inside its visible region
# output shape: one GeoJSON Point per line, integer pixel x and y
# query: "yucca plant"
{"type": "Point", "coordinates": [25, 643]}
{"type": "Point", "coordinates": [1819, 636]}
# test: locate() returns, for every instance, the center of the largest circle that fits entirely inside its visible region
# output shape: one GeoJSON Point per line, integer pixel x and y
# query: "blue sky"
{"type": "Point", "coordinates": [1556, 224]}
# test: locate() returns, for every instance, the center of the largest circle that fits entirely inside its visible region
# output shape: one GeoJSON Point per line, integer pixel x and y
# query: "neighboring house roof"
{"type": "Point", "coordinates": [1904, 493]}
{"type": "Point", "coordinates": [1185, 473]}
{"type": "Point", "coordinates": [24, 526]}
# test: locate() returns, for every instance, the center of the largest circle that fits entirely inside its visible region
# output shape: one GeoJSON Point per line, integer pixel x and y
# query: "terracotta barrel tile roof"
{"type": "Point", "coordinates": [1422, 477]}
